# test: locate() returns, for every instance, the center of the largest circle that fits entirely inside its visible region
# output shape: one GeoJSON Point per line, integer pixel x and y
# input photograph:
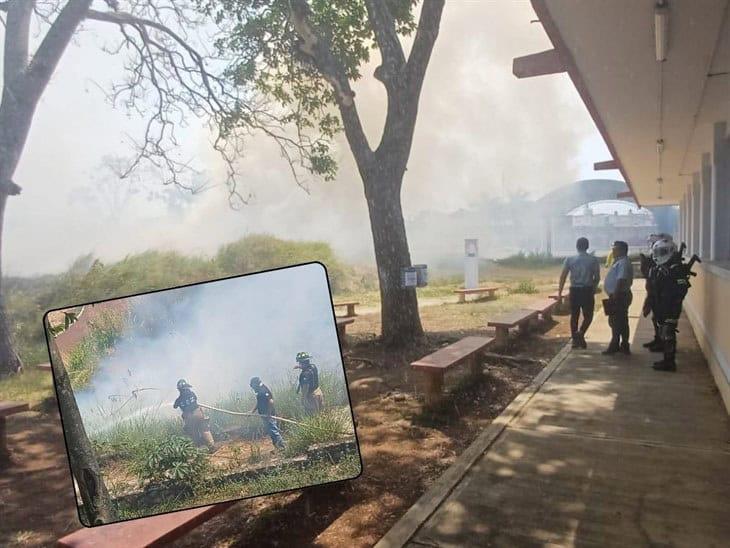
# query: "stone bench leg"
{"type": "Point", "coordinates": [547, 316]}
{"type": "Point", "coordinates": [524, 328]}
{"type": "Point", "coordinates": [4, 452]}
{"type": "Point", "coordinates": [502, 335]}
{"type": "Point", "coordinates": [434, 387]}
{"type": "Point", "coordinates": [351, 310]}
{"type": "Point", "coordinates": [341, 331]}
{"type": "Point", "coordinates": [462, 297]}
{"type": "Point", "coordinates": [475, 366]}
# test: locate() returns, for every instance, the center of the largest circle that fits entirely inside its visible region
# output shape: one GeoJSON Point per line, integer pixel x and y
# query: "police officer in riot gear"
{"type": "Point", "coordinates": [670, 282]}
{"type": "Point", "coordinates": [647, 263]}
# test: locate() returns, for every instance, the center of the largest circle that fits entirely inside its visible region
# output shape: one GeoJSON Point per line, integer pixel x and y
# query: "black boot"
{"type": "Point", "coordinates": [665, 365]}
{"type": "Point", "coordinates": [625, 349]}
{"type": "Point", "coordinates": [611, 350]}
{"type": "Point", "coordinates": [656, 347]}
{"type": "Point", "coordinates": [654, 342]}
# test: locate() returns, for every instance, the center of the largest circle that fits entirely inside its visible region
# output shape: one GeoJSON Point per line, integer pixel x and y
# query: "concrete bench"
{"type": "Point", "coordinates": [146, 532]}
{"type": "Point", "coordinates": [477, 290]}
{"type": "Point", "coordinates": [544, 307]}
{"type": "Point", "coordinates": [8, 408]}
{"type": "Point", "coordinates": [350, 308]}
{"type": "Point", "coordinates": [436, 364]}
{"type": "Point", "coordinates": [519, 318]}
{"type": "Point", "coordinates": [562, 301]}
{"type": "Point", "coordinates": [342, 324]}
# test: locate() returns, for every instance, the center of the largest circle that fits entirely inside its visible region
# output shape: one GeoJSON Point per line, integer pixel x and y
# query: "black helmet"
{"type": "Point", "coordinates": [255, 382]}
{"type": "Point", "coordinates": [182, 383]}
{"type": "Point", "coordinates": [304, 358]}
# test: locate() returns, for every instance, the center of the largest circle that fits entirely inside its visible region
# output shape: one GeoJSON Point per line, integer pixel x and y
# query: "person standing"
{"type": "Point", "coordinates": [585, 274]}
{"type": "Point", "coordinates": [308, 386]}
{"type": "Point", "coordinates": [265, 408]}
{"type": "Point", "coordinates": [195, 423]}
{"type": "Point", "coordinates": [618, 288]}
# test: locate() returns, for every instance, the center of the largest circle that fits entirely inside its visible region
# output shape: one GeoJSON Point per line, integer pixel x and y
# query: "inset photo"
{"type": "Point", "coordinates": [202, 394]}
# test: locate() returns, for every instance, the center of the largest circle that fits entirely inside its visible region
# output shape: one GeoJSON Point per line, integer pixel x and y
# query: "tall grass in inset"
{"type": "Point", "coordinates": [104, 332]}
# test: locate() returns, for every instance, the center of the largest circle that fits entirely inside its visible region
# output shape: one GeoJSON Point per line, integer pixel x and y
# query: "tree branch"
{"type": "Point", "coordinates": [16, 39]}
{"type": "Point", "coordinates": [389, 45]}
{"type": "Point", "coordinates": [49, 53]}
{"type": "Point", "coordinates": [314, 50]}
{"type": "Point", "coordinates": [426, 34]}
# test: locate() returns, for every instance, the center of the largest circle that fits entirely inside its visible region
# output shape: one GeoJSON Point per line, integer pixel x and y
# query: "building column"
{"type": "Point", "coordinates": [705, 206]}
{"type": "Point", "coordinates": [695, 246]}
{"type": "Point", "coordinates": [721, 194]}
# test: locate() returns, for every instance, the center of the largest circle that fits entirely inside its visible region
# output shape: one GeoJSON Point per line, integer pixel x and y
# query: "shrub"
{"type": "Point", "coordinates": [524, 286]}
{"type": "Point", "coordinates": [176, 459]}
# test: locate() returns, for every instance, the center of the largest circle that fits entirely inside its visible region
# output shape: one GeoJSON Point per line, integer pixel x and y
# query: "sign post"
{"type": "Point", "coordinates": [471, 263]}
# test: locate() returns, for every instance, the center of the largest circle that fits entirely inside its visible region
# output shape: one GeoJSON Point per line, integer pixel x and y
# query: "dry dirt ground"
{"type": "Point", "coordinates": [404, 447]}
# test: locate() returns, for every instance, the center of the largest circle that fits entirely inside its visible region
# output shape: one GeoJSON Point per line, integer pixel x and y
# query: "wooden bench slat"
{"type": "Point", "coordinates": [541, 305]}
{"type": "Point", "coordinates": [344, 321]}
{"type": "Point", "coordinates": [346, 303]}
{"type": "Point", "coordinates": [477, 290]}
{"type": "Point", "coordinates": [8, 408]}
{"type": "Point", "coordinates": [143, 533]}
{"type": "Point", "coordinates": [512, 318]}
{"type": "Point", "coordinates": [451, 355]}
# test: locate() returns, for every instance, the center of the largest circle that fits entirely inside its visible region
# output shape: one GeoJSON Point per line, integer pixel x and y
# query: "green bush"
{"type": "Point", "coordinates": [176, 459]}
{"type": "Point", "coordinates": [525, 287]}
{"type": "Point", "coordinates": [90, 280]}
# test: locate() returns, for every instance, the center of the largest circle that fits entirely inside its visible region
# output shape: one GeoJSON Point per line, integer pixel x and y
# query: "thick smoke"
{"type": "Point", "coordinates": [216, 336]}
{"type": "Point", "coordinates": [481, 133]}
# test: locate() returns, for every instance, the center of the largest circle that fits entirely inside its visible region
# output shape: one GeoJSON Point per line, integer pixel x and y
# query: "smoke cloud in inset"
{"type": "Point", "coordinates": [481, 132]}
{"type": "Point", "coordinates": [216, 336]}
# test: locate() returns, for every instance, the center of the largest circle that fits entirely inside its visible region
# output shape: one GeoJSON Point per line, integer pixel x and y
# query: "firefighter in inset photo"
{"type": "Point", "coordinates": [308, 386]}
{"type": "Point", "coordinates": [195, 423]}
{"type": "Point", "coordinates": [265, 408]}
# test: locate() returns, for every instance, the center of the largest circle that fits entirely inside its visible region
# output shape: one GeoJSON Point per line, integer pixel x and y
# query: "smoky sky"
{"type": "Point", "coordinates": [217, 336]}
{"type": "Point", "coordinates": [480, 132]}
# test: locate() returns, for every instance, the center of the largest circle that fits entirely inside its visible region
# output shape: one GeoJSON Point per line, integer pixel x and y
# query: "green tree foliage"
{"type": "Point", "coordinates": [271, 57]}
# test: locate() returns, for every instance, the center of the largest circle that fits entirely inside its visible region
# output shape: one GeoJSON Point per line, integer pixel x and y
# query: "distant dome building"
{"type": "Point", "coordinates": [604, 221]}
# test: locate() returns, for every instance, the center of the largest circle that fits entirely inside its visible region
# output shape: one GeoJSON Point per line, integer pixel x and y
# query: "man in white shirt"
{"type": "Point", "coordinates": [585, 274]}
{"type": "Point", "coordinates": [618, 288]}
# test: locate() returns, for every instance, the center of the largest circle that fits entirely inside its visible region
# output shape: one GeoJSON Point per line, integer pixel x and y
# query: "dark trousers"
{"type": "Point", "coordinates": [619, 320]}
{"type": "Point", "coordinates": [582, 299]}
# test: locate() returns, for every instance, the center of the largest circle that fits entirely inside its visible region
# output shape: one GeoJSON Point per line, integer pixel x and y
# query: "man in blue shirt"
{"type": "Point", "coordinates": [585, 273]}
{"type": "Point", "coordinates": [618, 288]}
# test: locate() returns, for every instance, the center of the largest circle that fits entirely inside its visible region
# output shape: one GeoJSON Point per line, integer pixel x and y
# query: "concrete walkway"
{"type": "Point", "coordinates": [605, 452]}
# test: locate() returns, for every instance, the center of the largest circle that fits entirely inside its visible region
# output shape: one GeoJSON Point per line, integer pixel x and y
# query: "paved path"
{"type": "Point", "coordinates": [607, 452]}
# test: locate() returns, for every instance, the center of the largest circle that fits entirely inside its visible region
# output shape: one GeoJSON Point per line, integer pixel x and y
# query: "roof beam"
{"type": "Point", "coordinates": [538, 64]}
{"type": "Point", "coordinates": [606, 164]}
{"type": "Point", "coordinates": [625, 194]}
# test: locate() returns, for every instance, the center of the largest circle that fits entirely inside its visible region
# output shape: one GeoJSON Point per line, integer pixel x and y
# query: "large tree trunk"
{"type": "Point", "coordinates": [23, 84]}
{"type": "Point", "coordinates": [9, 359]}
{"type": "Point", "coordinates": [401, 323]}
{"type": "Point", "coordinates": [97, 504]}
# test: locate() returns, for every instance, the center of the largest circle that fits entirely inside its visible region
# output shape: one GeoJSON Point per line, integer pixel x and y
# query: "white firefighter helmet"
{"type": "Point", "coordinates": [663, 250]}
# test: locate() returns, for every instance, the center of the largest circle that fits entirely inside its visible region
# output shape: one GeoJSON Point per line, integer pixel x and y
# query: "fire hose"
{"type": "Point", "coordinates": [238, 413]}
